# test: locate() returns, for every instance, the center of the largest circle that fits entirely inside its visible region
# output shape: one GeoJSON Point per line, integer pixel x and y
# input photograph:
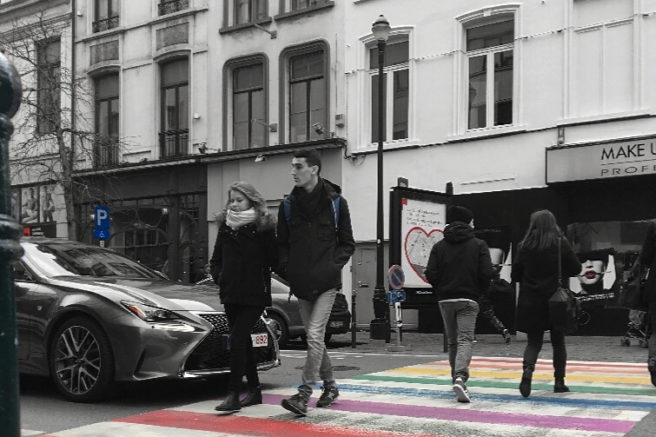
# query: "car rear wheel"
{"type": "Point", "coordinates": [279, 328]}
{"type": "Point", "coordinates": [81, 360]}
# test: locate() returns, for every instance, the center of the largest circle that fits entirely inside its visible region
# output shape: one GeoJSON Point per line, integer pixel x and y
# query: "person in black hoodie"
{"type": "Point", "coordinates": [536, 269]}
{"type": "Point", "coordinates": [460, 270]}
{"type": "Point", "coordinates": [244, 253]}
{"type": "Point", "coordinates": [315, 241]}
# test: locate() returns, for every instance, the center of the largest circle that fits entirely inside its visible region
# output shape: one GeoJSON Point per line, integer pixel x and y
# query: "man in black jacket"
{"type": "Point", "coordinates": [315, 240]}
{"type": "Point", "coordinates": [459, 269]}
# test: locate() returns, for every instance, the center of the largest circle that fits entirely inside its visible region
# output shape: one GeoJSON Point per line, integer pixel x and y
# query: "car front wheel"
{"type": "Point", "coordinates": [279, 328]}
{"type": "Point", "coordinates": [81, 360]}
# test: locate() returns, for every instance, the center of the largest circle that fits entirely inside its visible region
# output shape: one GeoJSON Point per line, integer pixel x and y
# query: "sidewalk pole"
{"type": "Point", "coordinates": [10, 96]}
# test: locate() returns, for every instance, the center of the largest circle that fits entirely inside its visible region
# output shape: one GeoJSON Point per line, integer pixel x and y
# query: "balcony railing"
{"type": "Point", "coordinates": [105, 24]}
{"type": "Point", "coordinates": [106, 154]}
{"type": "Point", "coordinates": [172, 6]}
{"type": "Point", "coordinates": [173, 143]}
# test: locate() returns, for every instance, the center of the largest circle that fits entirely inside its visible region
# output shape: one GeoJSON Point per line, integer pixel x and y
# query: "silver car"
{"type": "Point", "coordinates": [87, 317]}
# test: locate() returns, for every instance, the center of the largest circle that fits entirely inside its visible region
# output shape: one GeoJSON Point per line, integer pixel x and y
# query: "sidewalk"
{"type": "Point", "coordinates": [585, 348]}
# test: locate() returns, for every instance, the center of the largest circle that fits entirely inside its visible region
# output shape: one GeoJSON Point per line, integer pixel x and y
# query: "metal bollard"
{"type": "Point", "coordinates": [10, 96]}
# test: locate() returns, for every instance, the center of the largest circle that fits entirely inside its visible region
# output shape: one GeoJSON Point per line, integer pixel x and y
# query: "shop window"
{"type": "Point", "coordinates": [307, 93]}
{"type": "Point", "coordinates": [247, 108]}
{"type": "Point", "coordinates": [106, 150]}
{"type": "Point", "coordinates": [395, 90]}
{"type": "Point", "coordinates": [106, 15]}
{"type": "Point", "coordinates": [171, 6]}
{"type": "Point", "coordinates": [48, 86]}
{"type": "Point", "coordinates": [174, 98]}
{"type": "Point", "coordinates": [489, 67]}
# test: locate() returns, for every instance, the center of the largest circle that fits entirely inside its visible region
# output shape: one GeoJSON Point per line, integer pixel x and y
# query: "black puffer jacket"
{"type": "Point", "coordinates": [241, 264]}
{"type": "Point", "coordinates": [312, 252]}
{"type": "Point", "coordinates": [459, 266]}
{"type": "Point", "coordinates": [537, 274]}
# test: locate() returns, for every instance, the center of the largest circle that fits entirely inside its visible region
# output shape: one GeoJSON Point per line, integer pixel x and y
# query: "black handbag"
{"type": "Point", "coordinates": [633, 292]}
{"type": "Point", "coordinates": [564, 308]}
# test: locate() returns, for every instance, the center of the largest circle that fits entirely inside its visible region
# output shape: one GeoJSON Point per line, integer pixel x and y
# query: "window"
{"type": "Point", "coordinates": [247, 11]}
{"type": "Point", "coordinates": [249, 126]}
{"type": "Point", "coordinates": [174, 135]}
{"type": "Point", "coordinates": [395, 91]}
{"type": "Point", "coordinates": [490, 73]}
{"type": "Point", "coordinates": [307, 96]}
{"type": "Point", "coordinates": [106, 15]}
{"type": "Point", "coordinates": [304, 4]}
{"type": "Point", "coordinates": [107, 117]}
{"type": "Point", "coordinates": [48, 86]}
{"type": "Point", "coordinates": [171, 6]}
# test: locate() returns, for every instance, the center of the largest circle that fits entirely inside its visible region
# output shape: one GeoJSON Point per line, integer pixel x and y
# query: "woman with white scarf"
{"type": "Point", "coordinates": [244, 252]}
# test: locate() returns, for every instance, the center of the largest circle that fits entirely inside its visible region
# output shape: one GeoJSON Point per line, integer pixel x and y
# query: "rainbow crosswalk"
{"type": "Point", "coordinates": [607, 399]}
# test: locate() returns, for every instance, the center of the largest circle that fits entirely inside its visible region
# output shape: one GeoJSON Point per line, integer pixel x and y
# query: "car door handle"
{"type": "Point", "coordinates": [363, 284]}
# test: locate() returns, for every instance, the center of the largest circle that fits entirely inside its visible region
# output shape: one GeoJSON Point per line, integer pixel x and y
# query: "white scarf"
{"type": "Point", "coordinates": [237, 219]}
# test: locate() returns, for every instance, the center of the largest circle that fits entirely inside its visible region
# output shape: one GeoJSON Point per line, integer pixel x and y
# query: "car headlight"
{"type": "Point", "coordinates": [158, 318]}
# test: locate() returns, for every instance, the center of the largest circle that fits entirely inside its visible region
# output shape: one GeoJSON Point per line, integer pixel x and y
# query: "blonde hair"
{"type": "Point", "coordinates": [263, 218]}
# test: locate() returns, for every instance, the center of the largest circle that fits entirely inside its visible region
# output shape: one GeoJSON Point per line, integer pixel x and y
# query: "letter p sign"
{"type": "Point", "coordinates": [101, 222]}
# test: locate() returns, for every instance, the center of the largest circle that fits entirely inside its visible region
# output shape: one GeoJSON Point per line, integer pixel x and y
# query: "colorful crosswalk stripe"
{"type": "Point", "coordinates": [607, 399]}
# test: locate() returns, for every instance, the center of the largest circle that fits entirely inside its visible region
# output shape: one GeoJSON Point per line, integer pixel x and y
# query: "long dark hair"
{"type": "Point", "coordinates": [543, 231]}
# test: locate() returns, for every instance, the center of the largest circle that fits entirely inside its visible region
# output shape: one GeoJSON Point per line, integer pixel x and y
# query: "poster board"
{"type": "Point", "coordinates": [417, 221]}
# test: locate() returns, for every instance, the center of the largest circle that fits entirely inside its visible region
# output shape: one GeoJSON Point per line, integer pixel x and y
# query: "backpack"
{"type": "Point", "coordinates": [287, 209]}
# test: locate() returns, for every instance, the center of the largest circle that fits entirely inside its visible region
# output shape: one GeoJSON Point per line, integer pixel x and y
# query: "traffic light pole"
{"type": "Point", "coordinates": [10, 95]}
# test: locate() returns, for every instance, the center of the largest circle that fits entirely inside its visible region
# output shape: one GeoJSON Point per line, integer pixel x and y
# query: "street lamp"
{"type": "Point", "coordinates": [379, 328]}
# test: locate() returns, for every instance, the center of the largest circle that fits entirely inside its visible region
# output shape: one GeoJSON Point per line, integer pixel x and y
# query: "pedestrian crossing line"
{"type": "Point", "coordinates": [476, 373]}
{"type": "Point", "coordinates": [585, 364]}
{"type": "Point", "coordinates": [607, 389]}
{"type": "Point", "coordinates": [481, 417]}
{"type": "Point", "coordinates": [251, 426]}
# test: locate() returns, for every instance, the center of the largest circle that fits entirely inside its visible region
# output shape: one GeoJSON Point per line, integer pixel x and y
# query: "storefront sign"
{"type": "Point", "coordinates": [601, 160]}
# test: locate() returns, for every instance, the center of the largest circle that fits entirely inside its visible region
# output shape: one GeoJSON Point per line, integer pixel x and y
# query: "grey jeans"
{"type": "Point", "coordinates": [315, 316]}
{"type": "Point", "coordinates": [459, 318]}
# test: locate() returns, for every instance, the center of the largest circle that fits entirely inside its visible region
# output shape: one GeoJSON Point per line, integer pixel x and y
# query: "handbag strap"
{"type": "Point", "coordinates": [560, 267]}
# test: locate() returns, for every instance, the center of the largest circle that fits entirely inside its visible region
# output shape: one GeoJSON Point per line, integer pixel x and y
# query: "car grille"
{"type": "Point", "coordinates": [213, 352]}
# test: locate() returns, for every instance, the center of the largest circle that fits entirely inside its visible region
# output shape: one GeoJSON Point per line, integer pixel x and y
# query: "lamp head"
{"type": "Point", "coordinates": [381, 29]}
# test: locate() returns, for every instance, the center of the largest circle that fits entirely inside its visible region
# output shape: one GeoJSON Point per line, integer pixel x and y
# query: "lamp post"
{"type": "Point", "coordinates": [10, 96]}
{"type": "Point", "coordinates": [379, 328]}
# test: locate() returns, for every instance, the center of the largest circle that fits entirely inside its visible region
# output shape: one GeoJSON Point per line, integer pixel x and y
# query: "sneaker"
{"type": "Point", "coordinates": [506, 336]}
{"type": "Point", "coordinates": [297, 404]}
{"type": "Point", "coordinates": [329, 395]}
{"type": "Point", "coordinates": [460, 389]}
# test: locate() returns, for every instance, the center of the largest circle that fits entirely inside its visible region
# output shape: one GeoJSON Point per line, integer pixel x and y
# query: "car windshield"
{"type": "Point", "coordinates": [63, 259]}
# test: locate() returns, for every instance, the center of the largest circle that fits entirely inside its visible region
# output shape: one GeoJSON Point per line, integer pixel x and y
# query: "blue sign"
{"type": "Point", "coordinates": [394, 296]}
{"type": "Point", "coordinates": [396, 277]}
{"type": "Point", "coordinates": [101, 222]}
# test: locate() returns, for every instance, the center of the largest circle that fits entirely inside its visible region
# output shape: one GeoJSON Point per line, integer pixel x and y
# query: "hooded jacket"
{"type": "Point", "coordinates": [241, 263]}
{"type": "Point", "coordinates": [459, 265]}
{"type": "Point", "coordinates": [312, 247]}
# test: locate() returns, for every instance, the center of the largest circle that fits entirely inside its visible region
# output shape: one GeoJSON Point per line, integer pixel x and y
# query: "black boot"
{"type": "Point", "coordinates": [559, 386]}
{"type": "Point", "coordinates": [230, 403]}
{"type": "Point", "coordinates": [253, 397]}
{"type": "Point", "coordinates": [525, 384]}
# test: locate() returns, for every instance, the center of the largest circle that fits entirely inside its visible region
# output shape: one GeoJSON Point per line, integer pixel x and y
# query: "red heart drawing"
{"type": "Point", "coordinates": [417, 247]}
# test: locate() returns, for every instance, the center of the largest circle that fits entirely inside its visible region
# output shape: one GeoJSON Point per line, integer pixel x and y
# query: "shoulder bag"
{"type": "Point", "coordinates": [563, 306]}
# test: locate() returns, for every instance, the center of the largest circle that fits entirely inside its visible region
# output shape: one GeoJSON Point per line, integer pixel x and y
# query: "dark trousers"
{"type": "Point", "coordinates": [651, 314]}
{"type": "Point", "coordinates": [534, 346]}
{"type": "Point", "coordinates": [242, 319]}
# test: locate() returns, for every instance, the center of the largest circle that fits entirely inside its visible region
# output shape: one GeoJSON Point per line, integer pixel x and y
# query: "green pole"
{"type": "Point", "coordinates": [10, 96]}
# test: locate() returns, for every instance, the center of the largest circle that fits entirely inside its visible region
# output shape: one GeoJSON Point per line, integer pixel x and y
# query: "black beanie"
{"type": "Point", "coordinates": [459, 214]}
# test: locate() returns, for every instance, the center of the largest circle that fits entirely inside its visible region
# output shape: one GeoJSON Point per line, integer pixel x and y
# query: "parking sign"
{"type": "Point", "coordinates": [101, 222]}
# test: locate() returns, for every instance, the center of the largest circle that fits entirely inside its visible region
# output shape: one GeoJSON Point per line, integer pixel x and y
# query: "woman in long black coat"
{"type": "Point", "coordinates": [244, 252]}
{"type": "Point", "coordinates": [536, 269]}
{"type": "Point", "coordinates": [648, 260]}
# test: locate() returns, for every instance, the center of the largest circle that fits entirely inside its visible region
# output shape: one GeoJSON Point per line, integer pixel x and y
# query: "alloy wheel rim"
{"type": "Point", "coordinates": [77, 360]}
